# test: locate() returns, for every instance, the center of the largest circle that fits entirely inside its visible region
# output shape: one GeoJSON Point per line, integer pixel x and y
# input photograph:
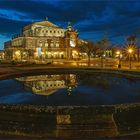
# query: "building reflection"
{"type": "Point", "coordinates": [49, 84]}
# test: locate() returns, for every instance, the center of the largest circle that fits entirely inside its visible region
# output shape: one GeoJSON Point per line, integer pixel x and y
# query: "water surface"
{"type": "Point", "coordinates": [70, 89]}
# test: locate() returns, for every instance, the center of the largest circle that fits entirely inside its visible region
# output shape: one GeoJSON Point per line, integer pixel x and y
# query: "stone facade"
{"type": "Point", "coordinates": [1, 55]}
{"type": "Point", "coordinates": [41, 41]}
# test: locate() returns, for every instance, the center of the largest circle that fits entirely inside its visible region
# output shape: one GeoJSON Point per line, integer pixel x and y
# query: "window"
{"type": "Point", "coordinates": [57, 44]}
{"type": "Point", "coordinates": [46, 44]}
{"type": "Point", "coordinates": [52, 44]}
{"type": "Point", "coordinates": [40, 44]}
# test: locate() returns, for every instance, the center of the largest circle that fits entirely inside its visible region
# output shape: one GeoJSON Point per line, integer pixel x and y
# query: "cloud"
{"type": "Point", "coordinates": [9, 27]}
{"type": "Point", "coordinates": [92, 18]}
{"type": "Point", "coordinates": [60, 11]}
{"type": "Point", "coordinates": [2, 40]}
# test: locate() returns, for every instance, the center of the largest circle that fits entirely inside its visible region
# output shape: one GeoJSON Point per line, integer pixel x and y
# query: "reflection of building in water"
{"type": "Point", "coordinates": [71, 83]}
{"type": "Point", "coordinates": [48, 84]}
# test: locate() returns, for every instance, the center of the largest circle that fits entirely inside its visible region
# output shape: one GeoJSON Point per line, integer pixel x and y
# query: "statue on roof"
{"type": "Point", "coordinates": [69, 24]}
{"type": "Point", "coordinates": [69, 27]}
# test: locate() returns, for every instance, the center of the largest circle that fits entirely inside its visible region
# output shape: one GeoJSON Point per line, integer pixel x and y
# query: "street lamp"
{"type": "Point", "coordinates": [119, 55]}
{"type": "Point", "coordinates": [130, 51]}
{"type": "Point", "coordinates": [102, 60]}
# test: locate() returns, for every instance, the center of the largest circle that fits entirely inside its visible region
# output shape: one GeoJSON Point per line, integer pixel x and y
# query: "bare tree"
{"type": "Point", "coordinates": [103, 45]}
{"type": "Point", "coordinates": [131, 39]}
{"type": "Point", "coordinates": [88, 48]}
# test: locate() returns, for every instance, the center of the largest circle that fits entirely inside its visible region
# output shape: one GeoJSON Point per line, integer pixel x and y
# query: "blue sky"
{"type": "Point", "coordinates": [92, 18]}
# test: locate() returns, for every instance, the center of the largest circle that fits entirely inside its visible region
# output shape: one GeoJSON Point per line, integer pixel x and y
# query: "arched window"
{"type": "Point", "coordinates": [52, 44]}
{"type": "Point", "coordinates": [46, 44]}
{"type": "Point", "coordinates": [40, 43]}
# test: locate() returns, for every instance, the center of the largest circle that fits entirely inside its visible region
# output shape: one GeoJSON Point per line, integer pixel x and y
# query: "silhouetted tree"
{"type": "Point", "coordinates": [103, 45]}
{"type": "Point", "coordinates": [88, 48]}
{"type": "Point", "coordinates": [131, 39]}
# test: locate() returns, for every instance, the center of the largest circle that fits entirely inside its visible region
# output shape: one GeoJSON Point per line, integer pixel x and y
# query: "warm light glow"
{"type": "Point", "coordinates": [130, 51]}
{"type": "Point", "coordinates": [74, 52]}
{"type": "Point", "coordinates": [61, 53]}
{"type": "Point", "coordinates": [55, 52]}
{"type": "Point", "coordinates": [17, 53]}
{"type": "Point", "coordinates": [118, 52]}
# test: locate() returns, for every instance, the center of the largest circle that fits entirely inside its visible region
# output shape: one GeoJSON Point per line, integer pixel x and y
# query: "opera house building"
{"type": "Point", "coordinates": [43, 40]}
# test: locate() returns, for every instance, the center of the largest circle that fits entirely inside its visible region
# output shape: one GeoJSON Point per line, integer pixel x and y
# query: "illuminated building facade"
{"type": "Point", "coordinates": [43, 40]}
{"type": "Point", "coordinates": [1, 55]}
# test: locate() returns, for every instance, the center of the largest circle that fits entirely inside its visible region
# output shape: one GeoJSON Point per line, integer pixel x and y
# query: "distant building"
{"type": "Point", "coordinates": [43, 40]}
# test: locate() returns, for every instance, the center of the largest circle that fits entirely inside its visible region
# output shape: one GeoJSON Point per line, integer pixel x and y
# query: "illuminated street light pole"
{"type": "Point", "coordinates": [119, 54]}
{"type": "Point", "coordinates": [130, 52]}
{"type": "Point", "coordinates": [102, 60]}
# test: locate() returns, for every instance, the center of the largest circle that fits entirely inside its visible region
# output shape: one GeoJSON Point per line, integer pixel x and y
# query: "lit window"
{"type": "Point", "coordinates": [40, 43]}
{"type": "Point", "coordinates": [52, 44]}
{"type": "Point", "coordinates": [57, 44]}
{"type": "Point", "coordinates": [46, 44]}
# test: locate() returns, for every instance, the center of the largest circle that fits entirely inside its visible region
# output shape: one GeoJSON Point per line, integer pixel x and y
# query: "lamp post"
{"type": "Point", "coordinates": [102, 60]}
{"type": "Point", "coordinates": [130, 51]}
{"type": "Point", "coordinates": [119, 56]}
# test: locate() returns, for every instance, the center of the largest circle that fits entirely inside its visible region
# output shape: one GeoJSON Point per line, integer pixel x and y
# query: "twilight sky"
{"type": "Point", "coordinates": [92, 18]}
